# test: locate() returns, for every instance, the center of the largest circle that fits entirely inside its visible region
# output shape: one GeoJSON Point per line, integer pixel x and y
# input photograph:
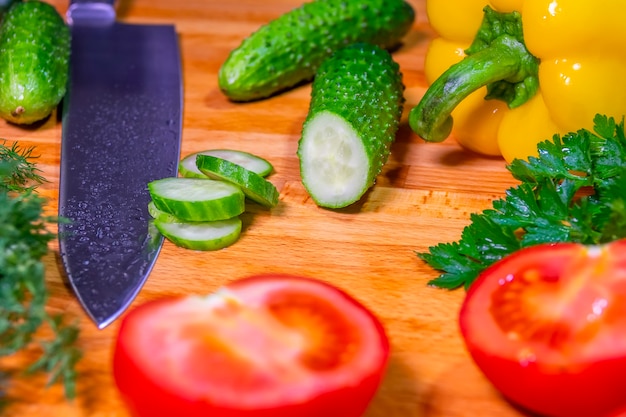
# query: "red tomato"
{"type": "Point", "coordinates": [264, 346]}
{"type": "Point", "coordinates": [619, 413]}
{"type": "Point", "coordinates": [547, 326]}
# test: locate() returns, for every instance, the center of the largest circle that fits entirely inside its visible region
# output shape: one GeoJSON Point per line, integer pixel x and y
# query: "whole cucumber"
{"type": "Point", "coordinates": [34, 61]}
{"type": "Point", "coordinates": [290, 49]}
{"type": "Point", "coordinates": [354, 115]}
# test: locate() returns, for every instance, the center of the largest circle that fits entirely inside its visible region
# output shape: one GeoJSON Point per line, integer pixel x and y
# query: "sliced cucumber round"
{"type": "Point", "coordinates": [256, 164]}
{"type": "Point", "coordinates": [253, 185]}
{"type": "Point", "coordinates": [203, 236]}
{"type": "Point", "coordinates": [160, 215]}
{"type": "Point", "coordinates": [196, 199]}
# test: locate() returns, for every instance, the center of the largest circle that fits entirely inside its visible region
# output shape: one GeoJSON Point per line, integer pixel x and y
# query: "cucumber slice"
{"type": "Point", "coordinates": [253, 185]}
{"type": "Point", "coordinates": [196, 199]}
{"type": "Point", "coordinates": [160, 215]}
{"type": "Point", "coordinates": [354, 114]}
{"type": "Point", "coordinates": [203, 236]}
{"type": "Point", "coordinates": [256, 164]}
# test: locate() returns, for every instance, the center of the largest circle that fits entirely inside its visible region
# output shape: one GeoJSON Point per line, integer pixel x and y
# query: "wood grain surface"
{"type": "Point", "coordinates": [424, 196]}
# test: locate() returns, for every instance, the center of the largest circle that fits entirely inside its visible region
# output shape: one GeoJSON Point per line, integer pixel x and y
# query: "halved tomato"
{"type": "Point", "coordinates": [547, 326]}
{"type": "Point", "coordinates": [268, 345]}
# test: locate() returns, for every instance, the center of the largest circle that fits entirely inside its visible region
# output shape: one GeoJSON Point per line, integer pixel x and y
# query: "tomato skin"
{"type": "Point", "coordinates": [593, 391]}
{"type": "Point", "coordinates": [579, 384]}
{"type": "Point", "coordinates": [146, 397]}
{"type": "Point", "coordinates": [619, 413]}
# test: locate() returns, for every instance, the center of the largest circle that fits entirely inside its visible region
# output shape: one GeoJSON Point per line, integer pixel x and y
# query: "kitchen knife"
{"type": "Point", "coordinates": [121, 128]}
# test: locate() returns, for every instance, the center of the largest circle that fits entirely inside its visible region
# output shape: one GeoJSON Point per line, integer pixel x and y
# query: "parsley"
{"type": "Point", "coordinates": [24, 239]}
{"type": "Point", "coordinates": [573, 191]}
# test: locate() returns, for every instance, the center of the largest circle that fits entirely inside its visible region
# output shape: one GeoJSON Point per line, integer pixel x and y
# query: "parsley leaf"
{"type": "Point", "coordinates": [573, 191]}
{"type": "Point", "coordinates": [24, 238]}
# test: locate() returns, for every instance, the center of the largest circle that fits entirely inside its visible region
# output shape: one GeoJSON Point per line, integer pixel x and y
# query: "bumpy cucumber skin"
{"type": "Point", "coordinates": [361, 84]}
{"type": "Point", "coordinates": [34, 61]}
{"type": "Point", "coordinates": [290, 49]}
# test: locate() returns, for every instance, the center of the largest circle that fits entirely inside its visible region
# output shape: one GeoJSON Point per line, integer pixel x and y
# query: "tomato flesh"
{"type": "Point", "coordinates": [274, 345]}
{"type": "Point", "coordinates": [547, 326]}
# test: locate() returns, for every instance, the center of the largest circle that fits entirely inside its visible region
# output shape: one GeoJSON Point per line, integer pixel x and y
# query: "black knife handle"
{"type": "Point", "coordinates": [91, 12]}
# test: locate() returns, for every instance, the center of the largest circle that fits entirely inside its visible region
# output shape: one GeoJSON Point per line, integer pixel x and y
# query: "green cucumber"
{"type": "Point", "coordinates": [201, 236]}
{"type": "Point", "coordinates": [196, 199]}
{"type": "Point", "coordinates": [254, 186]}
{"type": "Point", "coordinates": [161, 215]}
{"type": "Point", "coordinates": [256, 164]}
{"type": "Point", "coordinates": [290, 49]}
{"type": "Point", "coordinates": [354, 114]}
{"type": "Point", "coordinates": [211, 235]}
{"type": "Point", "coordinates": [34, 61]}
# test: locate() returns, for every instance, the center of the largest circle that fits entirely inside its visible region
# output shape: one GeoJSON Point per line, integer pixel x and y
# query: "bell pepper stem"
{"type": "Point", "coordinates": [431, 118]}
{"type": "Point", "coordinates": [497, 59]}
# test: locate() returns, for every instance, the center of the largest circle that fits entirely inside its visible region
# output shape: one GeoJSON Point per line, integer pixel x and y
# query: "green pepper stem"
{"type": "Point", "coordinates": [497, 58]}
{"type": "Point", "coordinates": [431, 118]}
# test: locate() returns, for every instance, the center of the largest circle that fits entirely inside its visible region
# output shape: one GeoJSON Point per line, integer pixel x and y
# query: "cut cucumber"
{"type": "Point", "coordinates": [253, 185]}
{"type": "Point", "coordinates": [354, 114]}
{"type": "Point", "coordinates": [160, 215]}
{"type": "Point", "coordinates": [204, 236]}
{"type": "Point", "coordinates": [196, 199]}
{"type": "Point", "coordinates": [256, 164]}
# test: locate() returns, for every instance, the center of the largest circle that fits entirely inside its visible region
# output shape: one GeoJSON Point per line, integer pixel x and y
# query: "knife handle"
{"type": "Point", "coordinates": [91, 12]}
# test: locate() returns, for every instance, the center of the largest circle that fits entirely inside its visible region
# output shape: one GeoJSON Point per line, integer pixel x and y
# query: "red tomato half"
{"type": "Point", "coordinates": [619, 413]}
{"type": "Point", "coordinates": [265, 346]}
{"type": "Point", "coordinates": [547, 326]}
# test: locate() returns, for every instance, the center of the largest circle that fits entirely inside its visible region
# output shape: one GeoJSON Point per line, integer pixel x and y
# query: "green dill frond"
{"type": "Point", "coordinates": [24, 239]}
{"type": "Point", "coordinates": [17, 172]}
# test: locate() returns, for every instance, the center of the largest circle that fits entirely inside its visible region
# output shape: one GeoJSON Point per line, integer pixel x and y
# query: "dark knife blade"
{"type": "Point", "coordinates": [121, 129]}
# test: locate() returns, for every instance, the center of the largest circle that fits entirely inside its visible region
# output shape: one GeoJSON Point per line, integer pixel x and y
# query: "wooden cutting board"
{"type": "Point", "coordinates": [424, 196]}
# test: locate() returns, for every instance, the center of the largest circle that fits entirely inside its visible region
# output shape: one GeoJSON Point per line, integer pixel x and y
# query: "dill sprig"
{"type": "Point", "coordinates": [17, 171]}
{"type": "Point", "coordinates": [573, 191]}
{"type": "Point", "coordinates": [24, 238]}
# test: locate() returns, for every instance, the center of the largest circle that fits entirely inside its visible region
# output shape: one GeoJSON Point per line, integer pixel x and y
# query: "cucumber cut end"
{"type": "Point", "coordinates": [334, 164]}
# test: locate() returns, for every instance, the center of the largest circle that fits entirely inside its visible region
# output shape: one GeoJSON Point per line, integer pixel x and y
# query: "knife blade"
{"type": "Point", "coordinates": [121, 128]}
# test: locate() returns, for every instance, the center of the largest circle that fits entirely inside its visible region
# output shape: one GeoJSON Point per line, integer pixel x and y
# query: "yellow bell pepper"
{"type": "Point", "coordinates": [545, 67]}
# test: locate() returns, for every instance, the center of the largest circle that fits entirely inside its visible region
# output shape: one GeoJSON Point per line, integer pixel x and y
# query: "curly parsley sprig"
{"type": "Point", "coordinates": [24, 238]}
{"type": "Point", "coordinates": [573, 191]}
